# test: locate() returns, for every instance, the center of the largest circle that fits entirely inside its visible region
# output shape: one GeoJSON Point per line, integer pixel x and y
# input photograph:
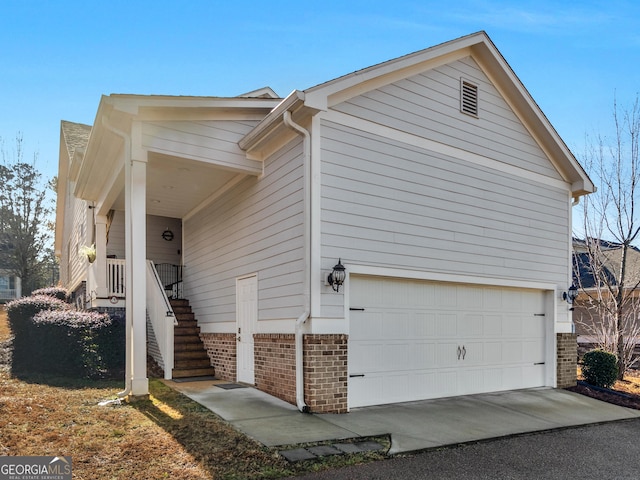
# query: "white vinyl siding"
{"type": "Point", "coordinates": [212, 141]}
{"type": "Point", "coordinates": [158, 249]}
{"type": "Point", "coordinates": [257, 227]}
{"type": "Point", "coordinates": [428, 105]}
{"type": "Point", "coordinates": [388, 204]}
{"type": "Point", "coordinates": [80, 235]}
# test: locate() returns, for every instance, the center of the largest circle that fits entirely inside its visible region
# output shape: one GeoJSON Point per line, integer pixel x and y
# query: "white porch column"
{"type": "Point", "coordinates": [101, 256]}
{"type": "Point", "coordinates": [136, 291]}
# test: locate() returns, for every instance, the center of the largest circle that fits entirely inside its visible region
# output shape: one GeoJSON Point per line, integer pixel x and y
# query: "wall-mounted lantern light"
{"type": "Point", "coordinates": [570, 295]}
{"type": "Point", "coordinates": [337, 276]}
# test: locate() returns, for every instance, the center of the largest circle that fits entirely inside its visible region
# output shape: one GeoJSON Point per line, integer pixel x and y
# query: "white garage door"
{"type": "Point", "coordinates": [412, 340]}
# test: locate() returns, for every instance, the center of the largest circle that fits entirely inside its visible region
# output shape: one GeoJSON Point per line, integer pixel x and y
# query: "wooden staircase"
{"type": "Point", "coordinates": [190, 356]}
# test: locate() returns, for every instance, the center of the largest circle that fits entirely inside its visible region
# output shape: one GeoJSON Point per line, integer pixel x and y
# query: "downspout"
{"type": "Point", "coordinates": [302, 406]}
{"type": "Point", "coordinates": [128, 318]}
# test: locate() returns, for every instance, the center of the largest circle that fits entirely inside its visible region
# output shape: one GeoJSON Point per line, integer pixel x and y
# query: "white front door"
{"type": "Point", "coordinates": [247, 317]}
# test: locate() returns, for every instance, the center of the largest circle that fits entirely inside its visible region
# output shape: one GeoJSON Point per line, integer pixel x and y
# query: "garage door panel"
{"type": "Point", "coordinates": [471, 325]}
{"type": "Point", "coordinates": [446, 355]}
{"type": "Point", "coordinates": [416, 340]}
{"type": "Point", "coordinates": [446, 324]}
{"type": "Point", "coordinates": [493, 325]}
{"type": "Point", "coordinates": [423, 325]}
{"type": "Point", "coordinates": [422, 354]}
{"type": "Point", "coordinates": [395, 325]}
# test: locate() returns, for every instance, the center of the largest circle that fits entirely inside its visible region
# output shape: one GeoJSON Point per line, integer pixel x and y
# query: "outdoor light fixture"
{"type": "Point", "coordinates": [337, 276]}
{"type": "Point", "coordinates": [571, 295]}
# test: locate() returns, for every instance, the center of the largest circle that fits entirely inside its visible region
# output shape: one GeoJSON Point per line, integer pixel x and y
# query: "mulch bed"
{"type": "Point", "coordinates": [622, 399]}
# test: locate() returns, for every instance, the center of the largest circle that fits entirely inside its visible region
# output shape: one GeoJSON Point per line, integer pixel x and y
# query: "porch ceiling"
{"type": "Point", "coordinates": [175, 186]}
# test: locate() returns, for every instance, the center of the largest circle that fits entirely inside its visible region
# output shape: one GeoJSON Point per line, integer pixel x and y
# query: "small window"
{"type": "Point", "coordinates": [468, 98]}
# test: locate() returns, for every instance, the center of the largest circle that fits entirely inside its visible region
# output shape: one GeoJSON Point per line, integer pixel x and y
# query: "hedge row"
{"type": "Point", "coordinates": [52, 338]}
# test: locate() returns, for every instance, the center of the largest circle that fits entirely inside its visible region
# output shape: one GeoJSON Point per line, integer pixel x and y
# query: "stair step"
{"type": "Point", "coordinates": [184, 331]}
{"type": "Point", "coordinates": [192, 363]}
{"type": "Point", "coordinates": [190, 356]}
{"type": "Point", "coordinates": [182, 310]}
{"type": "Point", "coordinates": [199, 354]}
{"type": "Point", "coordinates": [187, 323]}
{"type": "Point", "coordinates": [178, 302]}
{"type": "Point", "coordinates": [184, 344]}
{"type": "Point", "coordinates": [193, 372]}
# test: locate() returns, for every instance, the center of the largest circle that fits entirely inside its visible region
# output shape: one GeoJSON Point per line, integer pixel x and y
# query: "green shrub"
{"type": "Point", "coordinates": [600, 368]}
{"type": "Point", "coordinates": [71, 342]}
{"type": "Point", "coordinates": [20, 313]}
{"type": "Point", "coordinates": [55, 292]}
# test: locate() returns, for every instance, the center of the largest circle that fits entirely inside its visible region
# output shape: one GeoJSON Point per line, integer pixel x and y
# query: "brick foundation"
{"type": "Point", "coordinates": [325, 373]}
{"type": "Point", "coordinates": [275, 365]}
{"type": "Point", "coordinates": [221, 348]}
{"type": "Point", "coordinates": [567, 357]}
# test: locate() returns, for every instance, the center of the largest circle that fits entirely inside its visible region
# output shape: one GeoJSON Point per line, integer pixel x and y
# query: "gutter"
{"type": "Point", "coordinates": [302, 406]}
{"type": "Point", "coordinates": [128, 318]}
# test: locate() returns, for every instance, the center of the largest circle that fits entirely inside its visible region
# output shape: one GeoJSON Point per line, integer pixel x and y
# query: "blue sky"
{"type": "Point", "coordinates": [59, 57]}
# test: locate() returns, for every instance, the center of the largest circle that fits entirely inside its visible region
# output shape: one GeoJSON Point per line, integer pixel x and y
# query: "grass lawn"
{"type": "Point", "coordinates": [167, 436]}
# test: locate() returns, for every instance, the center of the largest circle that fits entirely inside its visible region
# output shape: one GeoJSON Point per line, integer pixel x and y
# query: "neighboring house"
{"type": "Point", "coordinates": [10, 286]}
{"type": "Point", "coordinates": [434, 179]}
{"type": "Point", "coordinates": [595, 288]}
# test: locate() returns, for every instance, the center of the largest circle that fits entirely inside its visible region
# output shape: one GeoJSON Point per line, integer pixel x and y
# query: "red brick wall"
{"type": "Point", "coordinates": [221, 348]}
{"type": "Point", "coordinates": [325, 373]}
{"type": "Point", "coordinates": [275, 365]}
{"type": "Point", "coordinates": [567, 357]}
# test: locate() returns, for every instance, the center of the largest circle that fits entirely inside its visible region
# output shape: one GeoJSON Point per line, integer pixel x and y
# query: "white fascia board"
{"type": "Point", "coordinates": [335, 91]}
{"type": "Point", "coordinates": [524, 106]}
{"type": "Point", "coordinates": [293, 101]}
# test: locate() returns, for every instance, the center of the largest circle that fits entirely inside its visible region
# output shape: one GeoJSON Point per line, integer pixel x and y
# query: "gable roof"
{"type": "Point", "coordinates": [75, 136]}
{"type": "Point", "coordinates": [478, 46]}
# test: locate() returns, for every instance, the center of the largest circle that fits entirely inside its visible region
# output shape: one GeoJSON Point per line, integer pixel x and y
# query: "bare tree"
{"type": "Point", "coordinates": [24, 236]}
{"type": "Point", "coordinates": [611, 224]}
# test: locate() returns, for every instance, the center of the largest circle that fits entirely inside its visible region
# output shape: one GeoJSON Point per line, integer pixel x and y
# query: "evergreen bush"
{"type": "Point", "coordinates": [55, 292]}
{"type": "Point", "coordinates": [20, 313]}
{"type": "Point", "coordinates": [72, 342]}
{"type": "Point", "coordinates": [600, 368]}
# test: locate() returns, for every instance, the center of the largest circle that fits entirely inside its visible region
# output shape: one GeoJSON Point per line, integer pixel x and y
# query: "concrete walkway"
{"type": "Point", "coordinates": [412, 426]}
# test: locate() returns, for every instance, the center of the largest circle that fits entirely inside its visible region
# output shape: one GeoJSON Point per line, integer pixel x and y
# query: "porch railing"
{"type": "Point", "coordinates": [162, 318]}
{"type": "Point", "coordinates": [116, 277]}
{"type": "Point", "coordinates": [171, 278]}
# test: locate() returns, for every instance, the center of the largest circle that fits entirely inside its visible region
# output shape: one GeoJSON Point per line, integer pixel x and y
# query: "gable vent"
{"type": "Point", "coordinates": [468, 98]}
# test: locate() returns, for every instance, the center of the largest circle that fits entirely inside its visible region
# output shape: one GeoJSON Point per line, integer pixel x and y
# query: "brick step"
{"type": "Point", "coordinates": [192, 372]}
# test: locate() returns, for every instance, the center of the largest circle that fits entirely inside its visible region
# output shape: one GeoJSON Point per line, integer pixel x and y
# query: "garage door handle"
{"type": "Point", "coordinates": [359, 375]}
{"type": "Point", "coordinates": [464, 352]}
{"type": "Point", "coordinates": [459, 352]}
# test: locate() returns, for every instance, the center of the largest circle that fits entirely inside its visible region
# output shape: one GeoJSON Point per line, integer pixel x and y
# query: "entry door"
{"type": "Point", "coordinates": [247, 317]}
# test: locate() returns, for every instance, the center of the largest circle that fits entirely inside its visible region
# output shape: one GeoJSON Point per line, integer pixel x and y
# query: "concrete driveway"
{"type": "Point", "coordinates": [412, 426]}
